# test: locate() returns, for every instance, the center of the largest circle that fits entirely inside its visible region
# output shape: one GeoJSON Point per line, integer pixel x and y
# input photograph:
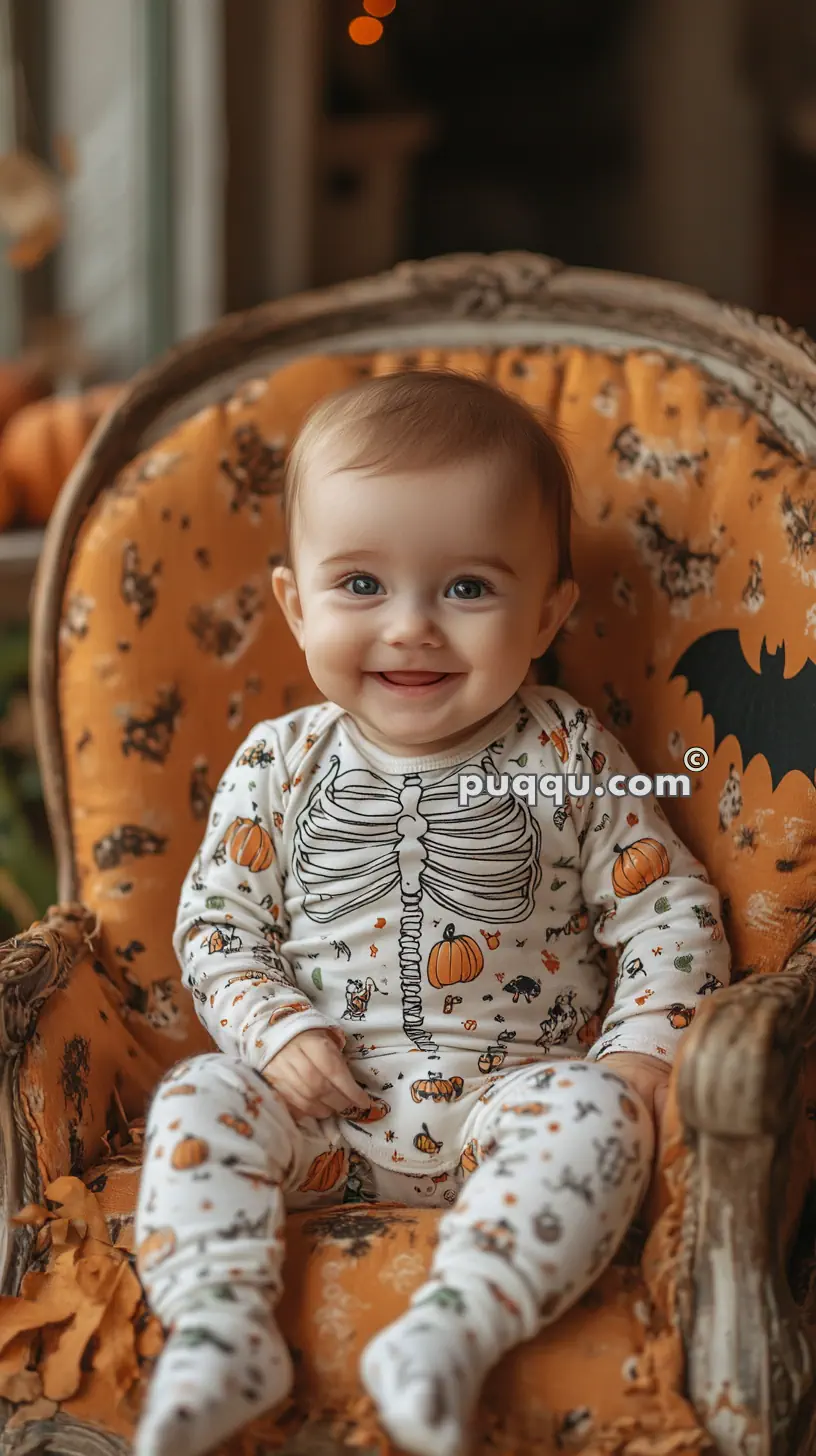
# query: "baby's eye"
{"type": "Point", "coordinates": [468, 589]}
{"type": "Point", "coordinates": [362, 586]}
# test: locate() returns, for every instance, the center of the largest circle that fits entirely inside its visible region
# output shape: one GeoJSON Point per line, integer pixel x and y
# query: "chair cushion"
{"type": "Point", "coordinates": [693, 519]}
{"type": "Point", "coordinates": [79, 1343]}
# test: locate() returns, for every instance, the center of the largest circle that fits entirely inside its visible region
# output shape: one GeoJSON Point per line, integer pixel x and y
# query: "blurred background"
{"type": "Point", "coordinates": [165, 161]}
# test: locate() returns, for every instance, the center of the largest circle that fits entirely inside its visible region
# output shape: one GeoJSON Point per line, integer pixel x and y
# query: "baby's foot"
{"type": "Point", "coordinates": [224, 1363]}
{"type": "Point", "coordinates": [424, 1374]}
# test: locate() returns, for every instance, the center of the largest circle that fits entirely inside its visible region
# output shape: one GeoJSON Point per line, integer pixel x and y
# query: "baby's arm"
{"type": "Point", "coordinates": [653, 902]}
{"type": "Point", "coordinates": [229, 932]}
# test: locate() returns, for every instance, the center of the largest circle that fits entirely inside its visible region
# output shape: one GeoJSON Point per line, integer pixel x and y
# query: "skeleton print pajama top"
{"type": "Point", "coordinates": [445, 942]}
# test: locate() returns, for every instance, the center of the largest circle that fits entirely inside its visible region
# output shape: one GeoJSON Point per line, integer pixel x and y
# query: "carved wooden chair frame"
{"type": "Point", "coordinates": [750, 1368]}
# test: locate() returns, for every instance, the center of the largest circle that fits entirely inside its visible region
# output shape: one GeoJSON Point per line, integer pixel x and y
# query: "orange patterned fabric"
{"type": "Point", "coordinates": [80, 1067]}
{"type": "Point", "coordinates": [692, 518]}
{"type": "Point", "coordinates": [81, 1341]}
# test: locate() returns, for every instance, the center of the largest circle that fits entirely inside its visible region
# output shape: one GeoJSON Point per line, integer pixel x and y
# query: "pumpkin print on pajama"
{"type": "Point", "coordinates": [541, 1195]}
{"type": "Point", "coordinates": [443, 939]}
{"type": "Point", "coordinates": [457, 943]}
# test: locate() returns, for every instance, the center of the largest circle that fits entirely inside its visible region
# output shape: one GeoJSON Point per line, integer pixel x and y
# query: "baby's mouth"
{"type": "Point", "coordinates": [412, 679]}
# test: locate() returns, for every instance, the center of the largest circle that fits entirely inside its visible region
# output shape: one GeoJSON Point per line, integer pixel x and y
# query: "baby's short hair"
{"type": "Point", "coordinates": [418, 419]}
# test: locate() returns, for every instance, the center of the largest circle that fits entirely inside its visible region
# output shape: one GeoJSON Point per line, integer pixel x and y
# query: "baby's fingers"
{"type": "Point", "coordinates": [299, 1101]}
{"type": "Point", "coordinates": [329, 1061]}
{"type": "Point", "coordinates": [306, 1110]}
{"type": "Point", "coordinates": [304, 1086]}
{"type": "Point", "coordinates": [335, 1099]}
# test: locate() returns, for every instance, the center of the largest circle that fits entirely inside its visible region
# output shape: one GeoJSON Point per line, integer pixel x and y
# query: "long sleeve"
{"type": "Point", "coordinates": [231, 922]}
{"type": "Point", "coordinates": [651, 901]}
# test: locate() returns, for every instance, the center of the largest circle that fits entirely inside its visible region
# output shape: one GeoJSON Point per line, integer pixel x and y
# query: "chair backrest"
{"type": "Point", "coordinates": [157, 643]}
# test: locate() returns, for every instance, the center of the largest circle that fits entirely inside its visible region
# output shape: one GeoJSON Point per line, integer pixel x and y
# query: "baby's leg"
{"type": "Point", "coordinates": [209, 1233]}
{"type": "Point", "coordinates": [565, 1157]}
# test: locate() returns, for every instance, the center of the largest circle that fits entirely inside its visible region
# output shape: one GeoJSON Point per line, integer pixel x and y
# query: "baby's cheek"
{"type": "Point", "coordinates": [497, 640]}
{"type": "Point", "coordinates": [334, 641]}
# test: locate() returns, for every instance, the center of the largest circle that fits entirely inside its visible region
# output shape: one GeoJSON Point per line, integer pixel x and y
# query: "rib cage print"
{"type": "Point", "coordinates": [446, 944]}
{"type": "Point", "coordinates": [359, 836]}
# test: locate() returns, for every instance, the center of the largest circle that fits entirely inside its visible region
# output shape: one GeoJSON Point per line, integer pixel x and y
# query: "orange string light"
{"type": "Point", "coordinates": [364, 31]}
{"type": "Point", "coordinates": [380, 8]}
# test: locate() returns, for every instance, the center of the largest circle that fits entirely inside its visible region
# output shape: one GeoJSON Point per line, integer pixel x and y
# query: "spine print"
{"type": "Point", "coordinates": [411, 855]}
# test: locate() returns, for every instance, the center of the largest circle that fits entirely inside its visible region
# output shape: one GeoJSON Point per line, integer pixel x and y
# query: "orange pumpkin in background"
{"type": "Point", "coordinates": [454, 958]}
{"type": "Point", "coordinates": [43, 442]}
{"type": "Point", "coordinates": [638, 866]}
{"type": "Point", "coordinates": [8, 503]}
{"type": "Point", "coordinates": [20, 384]}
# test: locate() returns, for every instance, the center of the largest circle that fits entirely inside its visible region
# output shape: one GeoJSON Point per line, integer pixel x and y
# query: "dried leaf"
{"type": "Point", "coordinates": [97, 1395]}
{"type": "Point", "coordinates": [366, 1429]}
{"type": "Point", "coordinates": [76, 1202]}
{"type": "Point", "coordinates": [17, 1383]}
{"type": "Point", "coordinates": [65, 1236]}
{"type": "Point", "coordinates": [32, 1216]}
{"type": "Point", "coordinates": [54, 1306]}
{"type": "Point", "coordinates": [116, 1357]}
{"type": "Point", "coordinates": [62, 1367]}
{"type": "Point", "coordinates": [150, 1340]}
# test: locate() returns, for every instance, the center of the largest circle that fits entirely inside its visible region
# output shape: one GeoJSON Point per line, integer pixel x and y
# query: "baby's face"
{"type": "Point", "coordinates": [420, 599]}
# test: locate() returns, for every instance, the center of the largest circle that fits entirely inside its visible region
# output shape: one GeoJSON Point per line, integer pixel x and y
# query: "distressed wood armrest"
{"type": "Point", "coordinates": [72, 1074]}
{"type": "Point", "coordinates": [740, 1070]}
{"type": "Point", "coordinates": [33, 966]}
{"type": "Point", "coordinates": [750, 1364]}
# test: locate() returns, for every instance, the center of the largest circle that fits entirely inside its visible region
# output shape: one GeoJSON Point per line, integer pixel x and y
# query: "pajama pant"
{"type": "Point", "coordinates": [556, 1162]}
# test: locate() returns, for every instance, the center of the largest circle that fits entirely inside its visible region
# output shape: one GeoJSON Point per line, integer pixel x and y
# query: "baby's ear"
{"type": "Point", "coordinates": [555, 611]}
{"type": "Point", "coordinates": [287, 596]}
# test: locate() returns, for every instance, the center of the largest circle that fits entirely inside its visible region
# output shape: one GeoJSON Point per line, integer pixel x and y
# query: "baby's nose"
{"type": "Point", "coordinates": [411, 624]}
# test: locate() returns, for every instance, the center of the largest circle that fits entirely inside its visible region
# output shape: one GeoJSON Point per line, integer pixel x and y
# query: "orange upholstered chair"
{"type": "Point", "coordinates": [157, 644]}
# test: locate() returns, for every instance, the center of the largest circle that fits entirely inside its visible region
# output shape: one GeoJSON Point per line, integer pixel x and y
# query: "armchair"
{"type": "Point", "coordinates": [156, 643]}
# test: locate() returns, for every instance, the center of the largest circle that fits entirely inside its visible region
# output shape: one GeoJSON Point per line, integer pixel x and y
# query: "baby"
{"type": "Point", "coordinates": [406, 982]}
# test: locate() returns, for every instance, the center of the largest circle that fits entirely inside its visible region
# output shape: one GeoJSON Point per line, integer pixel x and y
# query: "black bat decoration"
{"type": "Point", "coordinates": [770, 716]}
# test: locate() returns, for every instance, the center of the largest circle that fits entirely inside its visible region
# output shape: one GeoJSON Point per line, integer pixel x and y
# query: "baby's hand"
{"type": "Point", "coordinates": [313, 1078]}
{"type": "Point", "coordinates": [648, 1075]}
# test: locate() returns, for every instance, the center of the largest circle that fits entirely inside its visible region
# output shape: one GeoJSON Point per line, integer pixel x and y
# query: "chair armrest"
{"type": "Point", "coordinates": [36, 963]}
{"type": "Point", "coordinates": [33, 965]}
{"type": "Point", "coordinates": [67, 1063]}
{"type": "Point", "coordinates": [740, 1073]}
{"type": "Point", "coordinates": [740, 1097]}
